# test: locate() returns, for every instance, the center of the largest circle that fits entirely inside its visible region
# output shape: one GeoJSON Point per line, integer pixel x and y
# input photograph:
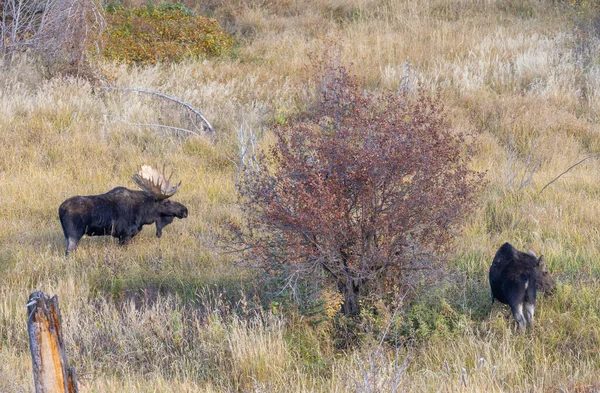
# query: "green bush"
{"type": "Point", "coordinates": [427, 317]}
{"type": "Point", "coordinates": [166, 33]}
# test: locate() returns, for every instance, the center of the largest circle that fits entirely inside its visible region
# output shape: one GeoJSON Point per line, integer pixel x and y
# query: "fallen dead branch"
{"type": "Point", "coordinates": [194, 114]}
{"type": "Point", "coordinates": [568, 169]}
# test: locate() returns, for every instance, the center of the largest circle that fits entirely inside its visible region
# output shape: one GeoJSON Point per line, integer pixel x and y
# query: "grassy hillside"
{"type": "Point", "coordinates": [174, 315]}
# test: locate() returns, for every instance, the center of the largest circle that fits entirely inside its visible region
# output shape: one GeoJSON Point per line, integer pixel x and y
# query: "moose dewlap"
{"type": "Point", "coordinates": [515, 277]}
{"type": "Point", "coordinates": [121, 212]}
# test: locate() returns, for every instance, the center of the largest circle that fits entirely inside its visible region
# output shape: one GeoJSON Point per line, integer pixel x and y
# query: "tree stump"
{"type": "Point", "coordinates": [51, 373]}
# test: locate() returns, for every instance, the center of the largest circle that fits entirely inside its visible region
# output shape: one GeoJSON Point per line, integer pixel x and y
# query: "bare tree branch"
{"type": "Point", "coordinates": [61, 31]}
{"type": "Point", "coordinates": [246, 160]}
{"type": "Point", "coordinates": [208, 127]}
{"type": "Point", "coordinates": [531, 164]}
{"type": "Point", "coordinates": [571, 167]}
{"type": "Point", "coordinates": [161, 126]}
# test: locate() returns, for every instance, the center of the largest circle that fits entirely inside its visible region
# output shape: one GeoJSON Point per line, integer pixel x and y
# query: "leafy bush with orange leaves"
{"type": "Point", "coordinates": [167, 33]}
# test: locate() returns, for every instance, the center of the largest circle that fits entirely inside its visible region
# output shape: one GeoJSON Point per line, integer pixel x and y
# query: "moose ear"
{"type": "Point", "coordinates": [540, 260]}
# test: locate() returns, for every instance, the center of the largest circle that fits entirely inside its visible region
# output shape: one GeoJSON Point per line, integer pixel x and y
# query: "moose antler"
{"type": "Point", "coordinates": [154, 182]}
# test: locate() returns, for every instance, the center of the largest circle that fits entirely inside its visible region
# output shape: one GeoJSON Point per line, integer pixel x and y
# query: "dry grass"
{"type": "Point", "coordinates": [168, 315]}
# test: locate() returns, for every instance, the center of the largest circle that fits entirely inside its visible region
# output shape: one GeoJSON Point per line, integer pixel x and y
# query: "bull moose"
{"type": "Point", "coordinates": [121, 212]}
{"type": "Point", "coordinates": [515, 277]}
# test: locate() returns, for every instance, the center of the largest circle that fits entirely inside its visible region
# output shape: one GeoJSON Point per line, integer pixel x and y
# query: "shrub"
{"type": "Point", "coordinates": [61, 32]}
{"type": "Point", "coordinates": [585, 17]}
{"type": "Point", "coordinates": [365, 187]}
{"type": "Point", "coordinates": [166, 33]}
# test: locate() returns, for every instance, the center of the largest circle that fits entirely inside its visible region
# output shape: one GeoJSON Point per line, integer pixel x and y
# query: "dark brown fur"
{"type": "Point", "coordinates": [120, 213]}
{"type": "Point", "coordinates": [515, 277]}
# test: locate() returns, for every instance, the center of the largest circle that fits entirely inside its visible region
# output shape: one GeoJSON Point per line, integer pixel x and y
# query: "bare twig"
{"type": "Point", "coordinates": [378, 374]}
{"type": "Point", "coordinates": [526, 172]}
{"type": "Point", "coordinates": [531, 164]}
{"type": "Point", "coordinates": [171, 128]}
{"type": "Point", "coordinates": [404, 87]}
{"type": "Point", "coordinates": [208, 127]}
{"type": "Point", "coordinates": [246, 160]}
{"type": "Point", "coordinates": [61, 31]}
{"type": "Point", "coordinates": [568, 169]}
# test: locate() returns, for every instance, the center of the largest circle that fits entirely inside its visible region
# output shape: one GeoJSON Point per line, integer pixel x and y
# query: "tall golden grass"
{"type": "Point", "coordinates": [172, 315]}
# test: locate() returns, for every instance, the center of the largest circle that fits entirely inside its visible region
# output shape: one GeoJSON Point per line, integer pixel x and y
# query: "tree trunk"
{"type": "Point", "coordinates": [51, 373]}
{"type": "Point", "coordinates": [350, 290]}
{"type": "Point", "coordinates": [348, 286]}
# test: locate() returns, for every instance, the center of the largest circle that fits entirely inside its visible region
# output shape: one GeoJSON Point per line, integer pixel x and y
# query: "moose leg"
{"type": "Point", "coordinates": [73, 232]}
{"type": "Point", "coordinates": [72, 238]}
{"type": "Point", "coordinates": [126, 235]}
{"type": "Point", "coordinates": [123, 240]}
{"type": "Point", "coordinates": [162, 222]}
{"type": "Point", "coordinates": [71, 244]}
{"type": "Point", "coordinates": [529, 301]}
{"type": "Point", "coordinates": [529, 309]}
{"type": "Point", "coordinates": [517, 311]}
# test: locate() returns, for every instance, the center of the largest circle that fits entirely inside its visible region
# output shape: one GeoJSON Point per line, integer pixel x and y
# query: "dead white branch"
{"type": "Point", "coordinates": [170, 128]}
{"type": "Point", "coordinates": [207, 126]}
{"type": "Point", "coordinates": [246, 160]}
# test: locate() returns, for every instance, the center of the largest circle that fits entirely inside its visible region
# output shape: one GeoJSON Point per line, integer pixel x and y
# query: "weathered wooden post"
{"type": "Point", "coordinates": [51, 373]}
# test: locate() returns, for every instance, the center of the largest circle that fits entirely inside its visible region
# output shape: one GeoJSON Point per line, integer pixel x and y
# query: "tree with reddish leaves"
{"type": "Point", "coordinates": [358, 187]}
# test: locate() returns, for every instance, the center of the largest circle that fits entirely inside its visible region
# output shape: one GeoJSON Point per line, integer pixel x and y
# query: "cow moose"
{"type": "Point", "coordinates": [121, 212]}
{"type": "Point", "coordinates": [515, 277]}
